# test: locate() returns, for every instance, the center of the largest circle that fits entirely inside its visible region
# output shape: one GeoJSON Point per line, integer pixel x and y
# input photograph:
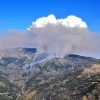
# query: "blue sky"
{"type": "Point", "coordinates": [19, 14]}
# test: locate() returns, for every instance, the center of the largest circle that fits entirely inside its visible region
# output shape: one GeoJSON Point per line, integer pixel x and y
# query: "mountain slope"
{"type": "Point", "coordinates": [56, 79]}
{"type": "Point", "coordinates": [8, 91]}
{"type": "Point", "coordinates": [47, 71]}
{"type": "Point", "coordinates": [70, 86]}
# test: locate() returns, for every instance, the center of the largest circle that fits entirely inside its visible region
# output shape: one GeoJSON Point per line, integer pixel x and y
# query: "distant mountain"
{"type": "Point", "coordinates": [28, 50]}
{"type": "Point", "coordinates": [44, 76]}
{"type": "Point", "coordinates": [91, 59]}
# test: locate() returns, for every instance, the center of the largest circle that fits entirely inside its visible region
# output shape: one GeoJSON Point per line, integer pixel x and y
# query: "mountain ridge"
{"type": "Point", "coordinates": [44, 76]}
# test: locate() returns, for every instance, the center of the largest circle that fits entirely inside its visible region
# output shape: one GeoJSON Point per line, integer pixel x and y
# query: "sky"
{"type": "Point", "coordinates": [19, 14]}
{"type": "Point", "coordinates": [53, 26]}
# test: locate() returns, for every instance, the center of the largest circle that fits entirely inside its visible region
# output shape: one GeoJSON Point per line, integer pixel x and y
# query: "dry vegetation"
{"type": "Point", "coordinates": [95, 69]}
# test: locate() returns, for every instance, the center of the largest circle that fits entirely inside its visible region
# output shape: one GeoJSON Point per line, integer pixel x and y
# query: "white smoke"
{"type": "Point", "coordinates": [39, 58]}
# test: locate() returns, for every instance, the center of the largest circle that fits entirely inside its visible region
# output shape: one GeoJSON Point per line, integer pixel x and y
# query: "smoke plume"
{"type": "Point", "coordinates": [51, 35]}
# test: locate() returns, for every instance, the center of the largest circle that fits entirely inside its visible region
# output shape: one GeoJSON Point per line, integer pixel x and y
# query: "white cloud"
{"type": "Point", "coordinates": [70, 21]}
